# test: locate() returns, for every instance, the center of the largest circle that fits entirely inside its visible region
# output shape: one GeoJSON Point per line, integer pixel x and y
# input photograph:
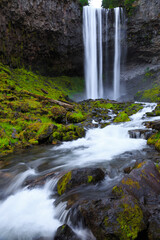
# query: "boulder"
{"type": "Point", "coordinates": [78, 177]}
{"type": "Point", "coordinates": [113, 219]}
{"type": "Point", "coordinates": [140, 133]}
{"type": "Point", "coordinates": [64, 232]}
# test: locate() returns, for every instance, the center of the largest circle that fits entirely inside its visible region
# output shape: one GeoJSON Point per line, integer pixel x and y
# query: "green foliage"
{"type": "Point", "coordinates": [111, 3]}
{"type": "Point", "coordinates": [128, 4]}
{"type": "Point", "coordinates": [83, 3]}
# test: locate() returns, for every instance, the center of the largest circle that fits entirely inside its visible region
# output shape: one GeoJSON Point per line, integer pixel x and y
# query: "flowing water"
{"type": "Point", "coordinates": [31, 213]}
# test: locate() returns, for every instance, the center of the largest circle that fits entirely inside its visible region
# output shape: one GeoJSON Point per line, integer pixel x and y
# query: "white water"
{"type": "Point", "coordinates": [117, 55]}
{"type": "Point", "coordinates": [30, 213]}
{"type": "Point", "coordinates": [93, 28]}
{"type": "Point", "coordinates": [90, 47]}
{"type": "Point", "coordinates": [100, 80]}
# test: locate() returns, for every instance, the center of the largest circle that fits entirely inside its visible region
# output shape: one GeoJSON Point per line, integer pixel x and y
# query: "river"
{"type": "Point", "coordinates": [32, 213]}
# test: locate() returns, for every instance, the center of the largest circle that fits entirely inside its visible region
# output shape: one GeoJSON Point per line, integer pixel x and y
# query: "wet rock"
{"type": "Point", "coordinates": [142, 182]}
{"type": "Point", "coordinates": [154, 226]}
{"type": "Point", "coordinates": [154, 125]}
{"type": "Point", "coordinates": [113, 219]}
{"type": "Point", "coordinates": [32, 182]}
{"type": "Point", "coordinates": [133, 207]}
{"type": "Point", "coordinates": [140, 133]}
{"type": "Point", "coordinates": [64, 232]}
{"type": "Point", "coordinates": [78, 177]}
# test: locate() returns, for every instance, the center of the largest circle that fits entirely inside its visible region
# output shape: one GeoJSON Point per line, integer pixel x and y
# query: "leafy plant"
{"type": "Point", "coordinates": [128, 4]}
{"type": "Point", "coordinates": [83, 3]}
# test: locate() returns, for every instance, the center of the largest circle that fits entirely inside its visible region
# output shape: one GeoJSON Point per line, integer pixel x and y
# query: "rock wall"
{"type": "Point", "coordinates": [143, 43]}
{"type": "Point", "coordinates": [43, 34]}
{"type": "Point", "coordinates": [144, 32]}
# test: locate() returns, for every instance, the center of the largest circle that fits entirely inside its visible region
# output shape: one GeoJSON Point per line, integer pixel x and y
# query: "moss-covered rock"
{"type": "Point", "coordinates": [122, 117]}
{"type": "Point", "coordinates": [150, 95]}
{"type": "Point", "coordinates": [78, 177]}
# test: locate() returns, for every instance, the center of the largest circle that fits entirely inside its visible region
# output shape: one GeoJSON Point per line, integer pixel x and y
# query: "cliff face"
{"type": "Point", "coordinates": [47, 35]}
{"type": "Point", "coordinates": [43, 34]}
{"type": "Point", "coordinates": [144, 32]}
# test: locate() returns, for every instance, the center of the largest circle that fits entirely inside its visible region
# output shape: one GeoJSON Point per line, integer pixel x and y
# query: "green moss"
{"type": "Point", "coordinates": [131, 183]}
{"type": "Point", "coordinates": [140, 164]}
{"type": "Point", "coordinates": [118, 191]}
{"type": "Point", "coordinates": [157, 145]}
{"type": "Point", "coordinates": [33, 141]}
{"type": "Point", "coordinates": [76, 116]}
{"type": "Point", "coordinates": [90, 179]}
{"type": "Point", "coordinates": [106, 221]}
{"type": "Point", "coordinates": [56, 88]}
{"type": "Point", "coordinates": [122, 117]}
{"type": "Point", "coordinates": [57, 136]}
{"type": "Point", "coordinates": [4, 142]}
{"type": "Point", "coordinates": [153, 139]}
{"type": "Point", "coordinates": [63, 182]}
{"type": "Point", "coordinates": [130, 220]}
{"type": "Point", "coordinates": [133, 108]}
{"type": "Point", "coordinates": [150, 95]}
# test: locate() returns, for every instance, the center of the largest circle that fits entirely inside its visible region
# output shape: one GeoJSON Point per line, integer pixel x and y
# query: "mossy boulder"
{"type": "Point", "coordinates": [38, 131]}
{"type": "Point", "coordinates": [113, 220]}
{"type": "Point", "coordinates": [79, 177]}
{"type": "Point", "coordinates": [58, 114]}
{"type": "Point", "coordinates": [122, 117]}
{"type": "Point", "coordinates": [76, 117]}
{"type": "Point", "coordinates": [68, 133]}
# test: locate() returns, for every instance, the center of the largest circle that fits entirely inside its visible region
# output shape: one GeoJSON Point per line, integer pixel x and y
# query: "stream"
{"type": "Point", "coordinates": [37, 212]}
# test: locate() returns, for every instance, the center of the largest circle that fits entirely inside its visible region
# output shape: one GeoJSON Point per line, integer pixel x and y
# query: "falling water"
{"type": "Point", "coordinates": [117, 53]}
{"type": "Point", "coordinates": [92, 25]}
{"type": "Point", "coordinates": [99, 13]}
{"type": "Point", "coordinates": [93, 35]}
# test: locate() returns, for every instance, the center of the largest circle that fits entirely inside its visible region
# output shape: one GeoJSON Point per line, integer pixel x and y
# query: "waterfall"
{"type": "Point", "coordinates": [92, 26]}
{"type": "Point", "coordinates": [117, 53]}
{"type": "Point", "coordinates": [93, 35]}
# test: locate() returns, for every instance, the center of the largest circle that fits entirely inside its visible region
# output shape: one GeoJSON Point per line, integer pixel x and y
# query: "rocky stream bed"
{"type": "Point", "coordinates": [105, 185]}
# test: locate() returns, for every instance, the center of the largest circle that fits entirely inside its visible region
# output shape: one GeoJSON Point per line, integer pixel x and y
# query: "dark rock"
{"type": "Point", "coordinates": [143, 181]}
{"type": "Point", "coordinates": [154, 124]}
{"type": "Point", "coordinates": [64, 232]}
{"type": "Point", "coordinates": [140, 133]}
{"type": "Point", "coordinates": [133, 206]}
{"type": "Point", "coordinates": [46, 35]}
{"type": "Point", "coordinates": [78, 177]}
{"type": "Point", "coordinates": [113, 219]}
{"type": "Point", "coordinates": [154, 226]}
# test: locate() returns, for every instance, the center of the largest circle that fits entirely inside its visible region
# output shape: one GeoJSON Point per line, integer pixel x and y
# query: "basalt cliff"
{"type": "Point", "coordinates": [46, 35]}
